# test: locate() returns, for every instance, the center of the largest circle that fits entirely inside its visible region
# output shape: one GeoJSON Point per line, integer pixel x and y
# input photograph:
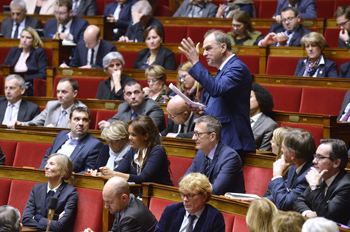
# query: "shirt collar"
{"type": "Point", "coordinates": [223, 63]}
{"type": "Point", "coordinates": [188, 120]}
{"type": "Point", "coordinates": [198, 213]}
{"type": "Point", "coordinates": [21, 24]}
{"type": "Point", "coordinates": [136, 156]}
{"type": "Point", "coordinates": [256, 117]}
{"type": "Point", "coordinates": [330, 180]}
{"type": "Point", "coordinates": [54, 189]}
{"type": "Point", "coordinates": [299, 168]}
{"type": "Point", "coordinates": [212, 153]}
{"type": "Point", "coordinates": [97, 46]}
{"type": "Point", "coordinates": [16, 104]}
{"type": "Point", "coordinates": [67, 25]}
{"type": "Point", "coordinates": [73, 141]}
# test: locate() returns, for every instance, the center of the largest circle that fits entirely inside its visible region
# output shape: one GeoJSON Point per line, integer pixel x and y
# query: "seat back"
{"type": "Point", "coordinates": [174, 34]}
{"type": "Point", "coordinates": [4, 190]}
{"type": "Point", "coordinates": [240, 225]}
{"type": "Point", "coordinates": [157, 206]}
{"type": "Point", "coordinates": [30, 154]}
{"type": "Point", "coordinates": [316, 131]}
{"type": "Point", "coordinates": [104, 115]}
{"type": "Point", "coordinates": [178, 167]}
{"type": "Point", "coordinates": [229, 221]}
{"type": "Point", "coordinates": [92, 119]}
{"type": "Point", "coordinates": [129, 58]}
{"type": "Point", "coordinates": [267, 9]}
{"type": "Point", "coordinates": [256, 179]}
{"type": "Point", "coordinates": [331, 35]}
{"type": "Point", "coordinates": [9, 149]}
{"type": "Point", "coordinates": [252, 63]}
{"type": "Point", "coordinates": [285, 98]}
{"type": "Point", "coordinates": [325, 9]}
{"type": "Point", "coordinates": [39, 88]}
{"type": "Point", "coordinates": [279, 65]}
{"type": "Point", "coordinates": [19, 194]}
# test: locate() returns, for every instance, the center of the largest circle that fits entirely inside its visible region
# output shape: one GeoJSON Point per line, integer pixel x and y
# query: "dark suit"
{"type": "Point", "coordinates": [341, 43]}
{"type": "Point", "coordinates": [86, 7]}
{"type": "Point", "coordinates": [165, 58]}
{"type": "Point", "coordinates": [328, 69]}
{"type": "Point", "coordinates": [344, 104]}
{"type": "Point", "coordinates": [135, 32]}
{"type": "Point", "coordinates": [345, 70]}
{"type": "Point", "coordinates": [81, 51]}
{"type": "Point", "coordinates": [306, 8]}
{"type": "Point", "coordinates": [283, 193]}
{"type": "Point", "coordinates": [227, 98]}
{"type": "Point", "coordinates": [77, 28]}
{"type": "Point", "coordinates": [262, 131]}
{"type": "Point", "coordinates": [104, 91]}
{"type": "Point", "coordinates": [174, 128]}
{"type": "Point", "coordinates": [84, 155]}
{"type": "Point", "coordinates": [135, 217]}
{"type": "Point", "coordinates": [67, 201]}
{"type": "Point", "coordinates": [334, 206]}
{"type": "Point", "coordinates": [225, 172]}
{"type": "Point", "coordinates": [7, 25]}
{"type": "Point", "coordinates": [149, 107]}
{"type": "Point", "coordinates": [208, 11]}
{"type": "Point", "coordinates": [27, 110]}
{"type": "Point", "coordinates": [211, 219]}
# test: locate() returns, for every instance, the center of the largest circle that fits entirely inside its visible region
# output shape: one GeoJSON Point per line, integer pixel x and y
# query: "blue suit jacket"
{"type": "Point", "coordinates": [284, 193]}
{"type": "Point", "coordinates": [226, 171]}
{"type": "Point", "coordinates": [81, 51]}
{"type": "Point", "coordinates": [211, 220]}
{"type": "Point", "coordinates": [345, 70]}
{"type": "Point", "coordinates": [84, 155]}
{"type": "Point", "coordinates": [227, 97]}
{"type": "Point", "coordinates": [27, 110]}
{"type": "Point", "coordinates": [329, 69]}
{"type": "Point", "coordinates": [67, 201]}
{"type": "Point", "coordinates": [77, 28]}
{"type": "Point", "coordinates": [306, 8]}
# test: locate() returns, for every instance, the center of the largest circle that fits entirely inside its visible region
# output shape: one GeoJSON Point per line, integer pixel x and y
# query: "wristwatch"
{"type": "Point", "coordinates": [314, 186]}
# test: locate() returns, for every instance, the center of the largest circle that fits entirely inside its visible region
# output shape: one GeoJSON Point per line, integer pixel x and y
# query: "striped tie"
{"type": "Point", "coordinates": [207, 166]}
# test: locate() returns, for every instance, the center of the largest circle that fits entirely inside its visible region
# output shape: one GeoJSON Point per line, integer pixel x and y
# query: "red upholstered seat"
{"type": "Point", "coordinates": [49, 56]}
{"type": "Point", "coordinates": [263, 30]}
{"type": "Point", "coordinates": [4, 190]}
{"type": "Point", "coordinates": [157, 206]}
{"type": "Point", "coordinates": [321, 100]}
{"type": "Point", "coordinates": [19, 193]}
{"type": "Point", "coordinates": [162, 10]}
{"type": "Point", "coordinates": [285, 98]}
{"type": "Point", "coordinates": [316, 131]}
{"type": "Point", "coordinates": [267, 9]}
{"type": "Point", "coordinates": [92, 119]}
{"type": "Point", "coordinates": [4, 51]}
{"type": "Point", "coordinates": [129, 58]}
{"type": "Point", "coordinates": [338, 3]}
{"type": "Point", "coordinates": [331, 35]}
{"type": "Point", "coordinates": [277, 65]}
{"type": "Point", "coordinates": [229, 221]}
{"type": "Point", "coordinates": [100, 4]}
{"type": "Point", "coordinates": [2, 85]}
{"type": "Point", "coordinates": [178, 167]}
{"type": "Point", "coordinates": [256, 179]}
{"type": "Point", "coordinates": [104, 115]}
{"type": "Point", "coordinates": [325, 9]}
{"type": "Point", "coordinates": [252, 62]}
{"type": "Point", "coordinates": [9, 149]}
{"type": "Point", "coordinates": [90, 207]}
{"type": "Point", "coordinates": [30, 154]}
{"type": "Point", "coordinates": [240, 224]}
{"type": "Point", "coordinates": [174, 34]}
{"type": "Point", "coordinates": [39, 88]}
{"type": "Point", "coordinates": [257, 7]}
{"type": "Point", "coordinates": [339, 62]}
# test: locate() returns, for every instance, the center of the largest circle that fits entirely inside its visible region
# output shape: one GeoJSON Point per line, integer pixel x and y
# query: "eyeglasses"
{"type": "Point", "coordinates": [236, 25]}
{"type": "Point", "coordinates": [112, 141]}
{"type": "Point", "coordinates": [173, 116]}
{"type": "Point", "coordinates": [320, 157]}
{"type": "Point", "coordinates": [199, 134]}
{"type": "Point", "coordinates": [60, 13]}
{"type": "Point", "coordinates": [182, 77]}
{"type": "Point", "coordinates": [289, 19]}
{"type": "Point", "coordinates": [188, 196]}
{"type": "Point", "coordinates": [153, 80]}
{"type": "Point", "coordinates": [342, 24]}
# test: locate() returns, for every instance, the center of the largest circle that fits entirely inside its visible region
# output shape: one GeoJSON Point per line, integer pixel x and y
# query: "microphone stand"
{"type": "Point", "coordinates": [57, 35]}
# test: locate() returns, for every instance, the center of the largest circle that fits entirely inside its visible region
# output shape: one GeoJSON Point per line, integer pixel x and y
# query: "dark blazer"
{"type": "Point", "coordinates": [209, 10]}
{"type": "Point", "coordinates": [306, 8]}
{"type": "Point", "coordinates": [27, 110]}
{"type": "Point", "coordinates": [329, 69]}
{"type": "Point", "coordinates": [67, 201]}
{"type": "Point", "coordinates": [345, 70]}
{"type": "Point", "coordinates": [226, 170]}
{"type": "Point", "coordinates": [104, 89]}
{"type": "Point", "coordinates": [84, 155]}
{"type": "Point", "coordinates": [7, 25]}
{"type": "Point", "coordinates": [102, 157]}
{"type": "Point", "coordinates": [341, 43]}
{"type": "Point", "coordinates": [81, 51]}
{"type": "Point", "coordinates": [283, 193]}
{"type": "Point", "coordinates": [86, 7]}
{"type": "Point", "coordinates": [135, 32]}
{"type": "Point", "coordinates": [173, 128]}
{"type": "Point", "coordinates": [344, 104]}
{"type": "Point", "coordinates": [211, 219]}
{"type": "Point", "coordinates": [77, 28]}
{"type": "Point", "coordinates": [149, 107]}
{"type": "Point", "coordinates": [156, 168]}
{"type": "Point", "coordinates": [262, 131]}
{"type": "Point", "coordinates": [334, 206]}
{"type": "Point", "coordinates": [165, 58]}
{"type": "Point", "coordinates": [125, 17]}
{"type": "Point", "coordinates": [227, 98]}
{"type": "Point", "coordinates": [135, 217]}
{"type": "Point", "coordinates": [295, 40]}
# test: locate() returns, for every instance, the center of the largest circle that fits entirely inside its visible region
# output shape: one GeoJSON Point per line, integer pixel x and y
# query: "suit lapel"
{"type": "Point", "coordinates": [3, 107]}
{"type": "Point", "coordinates": [43, 191]}
{"type": "Point", "coordinates": [201, 221]}
{"type": "Point", "coordinates": [215, 158]}
{"type": "Point", "coordinates": [61, 140]}
{"type": "Point", "coordinates": [78, 148]}
{"type": "Point", "coordinates": [22, 110]}
{"type": "Point", "coordinates": [259, 121]}
{"type": "Point", "coordinates": [178, 216]}
{"type": "Point", "coordinates": [334, 185]}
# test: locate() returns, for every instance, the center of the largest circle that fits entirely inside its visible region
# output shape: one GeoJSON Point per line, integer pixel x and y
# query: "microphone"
{"type": "Point", "coordinates": [52, 207]}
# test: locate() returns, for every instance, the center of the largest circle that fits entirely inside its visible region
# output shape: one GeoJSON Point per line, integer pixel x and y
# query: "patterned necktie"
{"type": "Point", "coordinates": [134, 115]}
{"type": "Point", "coordinates": [8, 116]}
{"type": "Point", "coordinates": [15, 36]}
{"type": "Point", "coordinates": [207, 166]}
{"type": "Point", "coordinates": [62, 119]}
{"type": "Point", "coordinates": [191, 218]}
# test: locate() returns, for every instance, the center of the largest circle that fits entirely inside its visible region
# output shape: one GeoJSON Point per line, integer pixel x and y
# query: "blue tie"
{"type": "Point", "coordinates": [48, 196]}
{"type": "Point", "coordinates": [134, 115]}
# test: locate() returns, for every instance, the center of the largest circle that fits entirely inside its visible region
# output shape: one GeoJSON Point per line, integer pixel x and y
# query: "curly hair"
{"type": "Point", "coordinates": [264, 98]}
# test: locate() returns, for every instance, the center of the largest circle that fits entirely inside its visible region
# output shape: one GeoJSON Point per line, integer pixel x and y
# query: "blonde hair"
{"type": "Point", "coordinates": [37, 43]}
{"type": "Point", "coordinates": [290, 221]}
{"type": "Point", "coordinates": [185, 67]}
{"type": "Point", "coordinates": [65, 164]}
{"type": "Point", "coordinates": [196, 181]}
{"type": "Point", "coordinates": [260, 214]}
{"type": "Point", "coordinates": [278, 135]}
{"type": "Point", "coordinates": [116, 131]}
{"type": "Point", "coordinates": [314, 37]}
{"type": "Point", "coordinates": [156, 71]}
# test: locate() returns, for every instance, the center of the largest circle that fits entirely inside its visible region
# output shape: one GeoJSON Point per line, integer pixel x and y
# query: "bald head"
{"type": "Point", "coordinates": [116, 194]}
{"type": "Point", "coordinates": [178, 110]}
{"type": "Point", "coordinates": [92, 36]}
{"type": "Point", "coordinates": [117, 186]}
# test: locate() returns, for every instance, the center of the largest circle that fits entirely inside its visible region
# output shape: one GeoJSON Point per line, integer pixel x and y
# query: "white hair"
{"type": "Point", "coordinates": [319, 224]}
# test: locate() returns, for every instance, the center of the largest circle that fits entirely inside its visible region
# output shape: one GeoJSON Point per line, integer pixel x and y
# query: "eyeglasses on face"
{"type": "Point", "coordinates": [152, 80]}
{"type": "Point", "coordinates": [320, 157]}
{"type": "Point", "coordinates": [173, 116]}
{"type": "Point", "coordinates": [199, 134]}
{"type": "Point", "coordinates": [188, 196]}
{"type": "Point", "coordinates": [289, 19]}
{"type": "Point", "coordinates": [342, 24]}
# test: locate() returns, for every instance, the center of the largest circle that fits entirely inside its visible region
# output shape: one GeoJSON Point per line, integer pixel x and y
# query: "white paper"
{"type": "Point", "coordinates": [241, 195]}
{"type": "Point", "coordinates": [183, 96]}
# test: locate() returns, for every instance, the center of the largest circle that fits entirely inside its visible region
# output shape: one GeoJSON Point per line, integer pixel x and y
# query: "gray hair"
{"type": "Point", "coordinates": [20, 3]}
{"type": "Point", "coordinates": [142, 6]}
{"type": "Point", "coordinates": [116, 131]}
{"type": "Point", "coordinates": [213, 124]}
{"type": "Point", "coordinates": [319, 224]}
{"type": "Point", "coordinates": [9, 219]}
{"type": "Point", "coordinates": [20, 79]}
{"type": "Point", "coordinates": [112, 56]}
{"type": "Point", "coordinates": [220, 38]}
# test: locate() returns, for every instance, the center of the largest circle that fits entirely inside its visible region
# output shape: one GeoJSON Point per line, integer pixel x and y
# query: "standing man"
{"type": "Point", "coordinates": [13, 106]}
{"type": "Point", "coordinates": [84, 7]}
{"type": "Point", "coordinates": [342, 16]}
{"type": "Point", "coordinates": [306, 8]}
{"type": "Point", "coordinates": [227, 95]}
{"type": "Point", "coordinates": [328, 194]}
{"type": "Point", "coordinates": [130, 213]}
{"type": "Point", "coordinates": [12, 27]}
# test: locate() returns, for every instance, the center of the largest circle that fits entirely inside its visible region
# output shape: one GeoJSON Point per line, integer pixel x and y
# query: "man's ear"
{"type": "Point", "coordinates": [75, 93]}
{"type": "Point", "coordinates": [337, 163]}
{"type": "Point", "coordinates": [223, 48]}
{"type": "Point", "coordinates": [23, 89]}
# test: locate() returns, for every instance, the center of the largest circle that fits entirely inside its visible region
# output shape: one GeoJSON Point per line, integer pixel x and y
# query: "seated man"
{"type": "Point", "coordinates": [12, 27]}
{"type": "Point", "coordinates": [342, 16]}
{"type": "Point", "coordinates": [79, 145]}
{"type": "Point", "coordinates": [136, 104]}
{"type": "Point", "coordinates": [130, 213]}
{"type": "Point", "coordinates": [13, 106]}
{"type": "Point", "coordinates": [56, 113]}
{"type": "Point", "coordinates": [193, 214]}
{"type": "Point", "coordinates": [298, 147]}
{"type": "Point", "coordinates": [220, 163]}
{"type": "Point", "coordinates": [261, 104]}
{"type": "Point", "coordinates": [70, 28]}
{"type": "Point", "coordinates": [180, 119]}
{"type": "Point", "coordinates": [287, 33]}
{"type": "Point", "coordinates": [142, 18]}
{"type": "Point", "coordinates": [84, 7]}
{"type": "Point", "coordinates": [90, 52]}
{"type": "Point", "coordinates": [344, 112]}
{"type": "Point", "coordinates": [306, 8]}
{"type": "Point", "coordinates": [10, 219]}
{"type": "Point", "coordinates": [328, 193]}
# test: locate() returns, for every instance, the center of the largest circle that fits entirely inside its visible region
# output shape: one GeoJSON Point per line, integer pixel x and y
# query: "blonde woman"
{"type": "Point", "coordinates": [260, 215]}
{"type": "Point", "coordinates": [187, 84]}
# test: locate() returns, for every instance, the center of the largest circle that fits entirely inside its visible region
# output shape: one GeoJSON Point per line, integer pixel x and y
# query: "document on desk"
{"type": "Point", "coordinates": [241, 195]}
{"type": "Point", "coordinates": [183, 96]}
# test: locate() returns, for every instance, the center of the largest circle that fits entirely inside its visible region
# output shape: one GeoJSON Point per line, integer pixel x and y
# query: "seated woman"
{"type": "Point", "coordinates": [155, 53]}
{"type": "Point", "coordinates": [230, 7]}
{"type": "Point", "coordinates": [345, 68]}
{"type": "Point", "coordinates": [290, 221]}
{"type": "Point", "coordinates": [157, 89]}
{"type": "Point", "coordinates": [28, 58]}
{"type": "Point", "coordinates": [43, 7]}
{"type": "Point", "coordinates": [187, 84]}
{"type": "Point", "coordinates": [243, 32]}
{"type": "Point", "coordinates": [260, 215]}
{"type": "Point", "coordinates": [58, 168]}
{"type": "Point", "coordinates": [147, 160]}
{"type": "Point", "coordinates": [112, 88]}
{"type": "Point", "coordinates": [315, 65]}
{"type": "Point", "coordinates": [196, 9]}
{"type": "Point", "coordinates": [261, 104]}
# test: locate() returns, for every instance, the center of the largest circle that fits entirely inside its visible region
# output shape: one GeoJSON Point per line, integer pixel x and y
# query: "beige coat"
{"type": "Point", "coordinates": [48, 6]}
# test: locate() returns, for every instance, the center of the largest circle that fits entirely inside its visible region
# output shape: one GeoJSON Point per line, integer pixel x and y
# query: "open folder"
{"type": "Point", "coordinates": [183, 96]}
